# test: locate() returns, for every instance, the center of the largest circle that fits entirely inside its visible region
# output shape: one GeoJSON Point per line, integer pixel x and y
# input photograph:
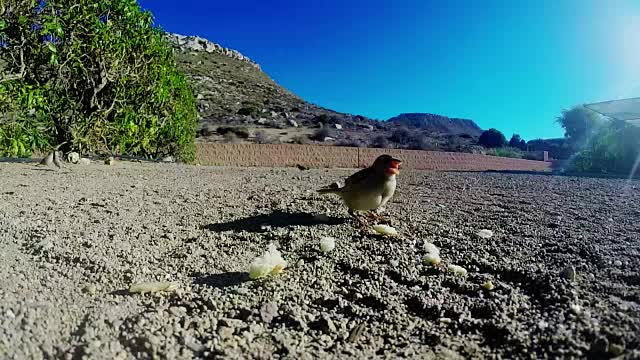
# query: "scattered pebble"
{"type": "Point", "coordinates": [617, 263]}
{"type": "Point", "coordinates": [109, 161]}
{"type": "Point", "coordinates": [84, 161]}
{"type": "Point", "coordinates": [268, 311]}
{"type": "Point", "coordinates": [90, 289]}
{"type": "Point", "coordinates": [327, 243]}
{"type": "Point", "coordinates": [577, 309]}
{"type": "Point", "coordinates": [568, 273]}
{"type": "Point", "coordinates": [485, 233]}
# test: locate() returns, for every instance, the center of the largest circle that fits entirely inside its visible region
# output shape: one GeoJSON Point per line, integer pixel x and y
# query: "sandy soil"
{"type": "Point", "coordinates": [73, 241]}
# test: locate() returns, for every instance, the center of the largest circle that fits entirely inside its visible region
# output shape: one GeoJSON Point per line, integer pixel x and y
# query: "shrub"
{"type": "Point", "coordinates": [299, 139]}
{"type": "Point", "coordinates": [401, 136]}
{"type": "Point", "coordinates": [322, 118]}
{"type": "Point", "coordinates": [320, 134]}
{"type": "Point", "coordinates": [240, 132]}
{"type": "Point", "coordinates": [94, 76]}
{"type": "Point", "coordinates": [247, 110]}
{"type": "Point", "coordinates": [492, 138]}
{"type": "Point", "coordinates": [421, 142]}
{"type": "Point", "coordinates": [508, 152]}
{"type": "Point", "coordinates": [350, 143]}
{"type": "Point", "coordinates": [230, 138]}
{"type": "Point", "coordinates": [381, 142]}
{"type": "Point", "coordinates": [615, 148]}
{"type": "Point", "coordinates": [262, 137]}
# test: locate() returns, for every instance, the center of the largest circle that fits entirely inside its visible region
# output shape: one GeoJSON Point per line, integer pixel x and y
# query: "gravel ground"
{"type": "Point", "coordinates": [73, 241]}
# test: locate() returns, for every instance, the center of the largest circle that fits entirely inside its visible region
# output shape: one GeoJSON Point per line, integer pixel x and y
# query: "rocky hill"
{"type": "Point", "coordinates": [238, 102]}
{"type": "Point", "coordinates": [437, 124]}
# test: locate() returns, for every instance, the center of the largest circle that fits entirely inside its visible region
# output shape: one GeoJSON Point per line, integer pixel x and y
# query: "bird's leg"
{"type": "Point", "coordinates": [377, 217]}
{"type": "Point", "coordinates": [360, 221]}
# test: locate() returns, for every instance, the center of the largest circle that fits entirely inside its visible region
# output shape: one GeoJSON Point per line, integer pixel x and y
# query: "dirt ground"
{"type": "Point", "coordinates": [73, 241]}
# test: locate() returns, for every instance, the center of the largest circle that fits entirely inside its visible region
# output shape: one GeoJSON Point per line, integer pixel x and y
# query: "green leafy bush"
{"type": "Point", "coordinates": [506, 151]}
{"type": "Point", "coordinates": [613, 149]}
{"type": "Point", "coordinates": [94, 76]}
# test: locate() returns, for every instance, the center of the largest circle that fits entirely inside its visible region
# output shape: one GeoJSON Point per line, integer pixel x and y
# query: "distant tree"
{"type": "Point", "coordinates": [580, 124]}
{"type": "Point", "coordinates": [517, 142]}
{"type": "Point", "coordinates": [492, 138]}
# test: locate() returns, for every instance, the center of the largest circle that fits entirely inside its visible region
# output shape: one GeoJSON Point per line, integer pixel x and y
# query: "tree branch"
{"type": "Point", "coordinates": [23, 67]}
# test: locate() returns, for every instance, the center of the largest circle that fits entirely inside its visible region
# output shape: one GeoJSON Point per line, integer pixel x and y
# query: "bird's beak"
{"type": "Point", "coordinates": [394, 167]}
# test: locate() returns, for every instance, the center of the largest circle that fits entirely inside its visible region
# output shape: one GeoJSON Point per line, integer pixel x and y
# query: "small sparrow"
{"type": "Point", "coordinates": [368, 189]}
{"type": "Point", "coordinates": [48, 160]}
{"type": "Point", "coordinates": [57, 159]}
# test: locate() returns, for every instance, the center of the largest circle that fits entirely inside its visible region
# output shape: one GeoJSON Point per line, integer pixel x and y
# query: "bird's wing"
{"type": "Point", "coordinates": [359, 177]}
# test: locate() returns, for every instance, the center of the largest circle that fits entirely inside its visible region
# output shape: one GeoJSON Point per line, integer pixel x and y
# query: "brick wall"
{"type": "Point", "coordinates": [317, 156]}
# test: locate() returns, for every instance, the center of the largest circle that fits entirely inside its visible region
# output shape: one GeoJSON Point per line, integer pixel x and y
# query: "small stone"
{"type": "Point", "coordinates": [568, 273]}
{"type": "Point", "coordinates": [394, 263]}
{"type": "Point", "coordinates": [327, 243]}
{"type": "Point", "coordinates": [356, 332]}
{"type": "Point", "coordinates": [616, 349]}
{"type": "Point", "coordinates": [73, 157]}
{"type": "Point", "coordinates": [225, 332]}
{"type": "Point", "coordinates": [168, 159]}
{"type": "Point", "coordinates": [268, 311]}
{"type": "Point", "coordinates": [109, 161]}
{"type": "Point", "coordinates": [617, 263]}
{"type": "Point", "coordinates": [84, 161]}
{"type": "Point", "coordinates": [90, 289]}
{"type": "Point", "coordinates": [576, 308]}
{"type": "Point", "coordinates": [338, 126]}
{"type": "Point", "coordinates": [485, 234]}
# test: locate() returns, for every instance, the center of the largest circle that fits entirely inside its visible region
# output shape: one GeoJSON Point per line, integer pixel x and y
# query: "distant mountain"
{"type": "Point", "coordinates": [437, 124]}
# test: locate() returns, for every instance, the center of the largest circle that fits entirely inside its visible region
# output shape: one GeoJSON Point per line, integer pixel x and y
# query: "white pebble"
{"type": "Point", "coordinates": [485, 234]}
{"type": "Point", "coordinates": [577, 309]}
{"type": "Point", "coordinates": [327, 244]}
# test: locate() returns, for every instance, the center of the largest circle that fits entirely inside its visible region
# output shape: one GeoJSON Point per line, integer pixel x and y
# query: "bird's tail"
{"type": "Point", "coordinates": [331, 189]}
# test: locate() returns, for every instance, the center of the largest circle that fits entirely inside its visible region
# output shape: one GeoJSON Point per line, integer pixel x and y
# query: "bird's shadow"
{"type": "Point", "coordinates": [275, 219]}
{"type": "Point", "coordinates": [222, 280]}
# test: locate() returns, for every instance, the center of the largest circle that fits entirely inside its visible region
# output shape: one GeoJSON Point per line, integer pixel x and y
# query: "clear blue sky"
{"type": "Point", "coordinates": [512, 65]}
